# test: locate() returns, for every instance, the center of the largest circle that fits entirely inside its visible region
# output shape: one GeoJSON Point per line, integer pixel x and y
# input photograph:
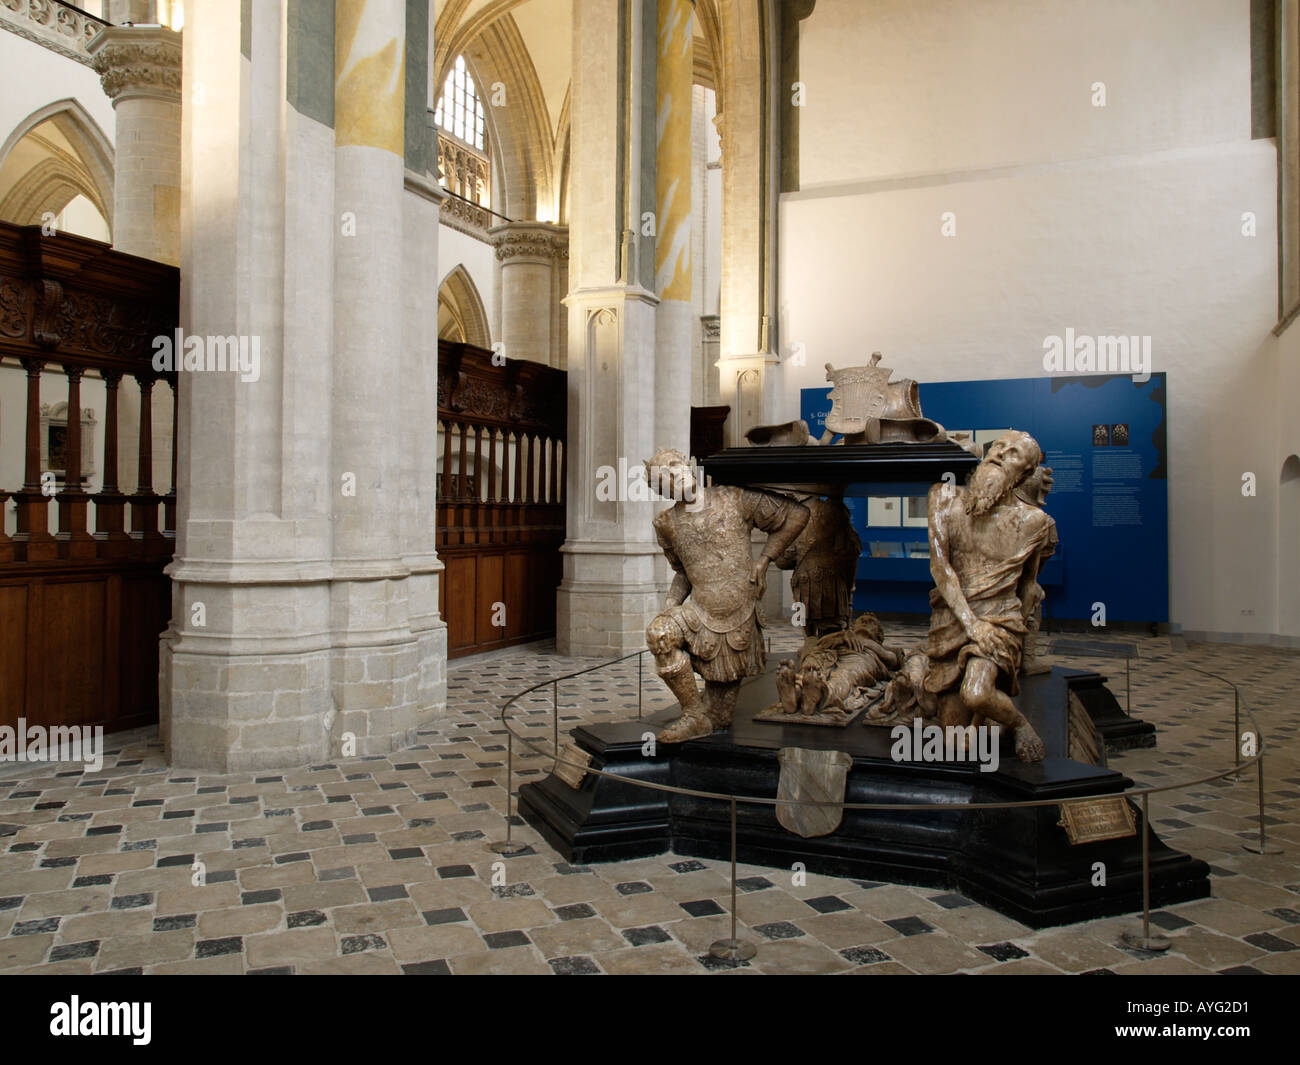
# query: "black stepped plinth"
{"type": "Point", "coordinates": [1018, 861]}
{"type": "Point", "coordinates": [849, 469]}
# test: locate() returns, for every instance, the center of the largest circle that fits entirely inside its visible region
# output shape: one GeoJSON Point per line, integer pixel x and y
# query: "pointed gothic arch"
{"type": "Point", "coordinates": [461, 315]}
{"type": "Point", "coordinates": [55, 154]}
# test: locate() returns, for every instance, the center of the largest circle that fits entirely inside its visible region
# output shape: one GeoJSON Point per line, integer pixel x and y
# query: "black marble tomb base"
{"type": "Point", "coordinates": [1018, 862]}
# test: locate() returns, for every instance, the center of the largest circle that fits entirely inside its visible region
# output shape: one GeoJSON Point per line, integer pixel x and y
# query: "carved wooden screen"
{"type": "Point", "coordinates": [500, 497]}
{"type": "Point", "coordinates": [83, 596]}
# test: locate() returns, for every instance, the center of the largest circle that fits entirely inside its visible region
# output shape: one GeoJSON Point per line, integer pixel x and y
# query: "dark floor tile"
{"type": "Point", "coordinates": [253, 898]}
{"type": "Point", "coordinates": [174, 921]}
{"type": "Point", "coordinates": [639, 937]}
{"type": "Point", "coordinates": [633, 887]}
{"type": "Point", "coordinates": [447, 872]}
{"type": "Point", "coordinates": [863, 955]}
{"type": "Point", "coordinates": [579, 965]}
{"type": "Point", "coordinates": [828, 904]}
{"type": "Point", "coordinates": [215, 948]}
{"type": "Point", "coordinates": [753, 883]}
{"type": "Point", "coordinates": [358, 944]}
{"type": "Point", "coordinates": [1268, 941]}
{"type": "Point", "coordinates": [451, 915]}
{"type": "Point", "coordinates": [779, 930]}
{"type": "Point", "coordinates": [427, 968]}
{"type": "Point", "coordinates": [71, 951]}
{"type": "Point", "coordinates": [1170, 922]}
{"type": "Point", "coordinates": [702, 908]}
{"type": "Point", "coordinates": [498, 940]}
{"type": "Point", "coordinates": [910, 926]}
{"type": "Point", "coordinates": [1003, 951]}
{"type": "Point", "coordinates": [388, 892]}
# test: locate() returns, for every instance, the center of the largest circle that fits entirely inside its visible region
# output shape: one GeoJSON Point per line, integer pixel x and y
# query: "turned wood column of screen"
{"type": "Point", "coordinates": [74, 540]}
{"type": "Point", "coordinates": [33, 539]}
{"type": "Point", "coordinates": [169, 510]}
{"type": "Point", "coordinates": [110, 503]}
{"type": "Point", "coordinates": [145, 501]}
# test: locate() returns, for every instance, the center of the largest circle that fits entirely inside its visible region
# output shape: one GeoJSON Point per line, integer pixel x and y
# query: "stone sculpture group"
{"type": "Point", "coordinates": [988, 541]}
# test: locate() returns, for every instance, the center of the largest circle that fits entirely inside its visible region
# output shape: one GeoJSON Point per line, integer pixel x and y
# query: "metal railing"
{"type": "Point", "coordinates": [736, 950]}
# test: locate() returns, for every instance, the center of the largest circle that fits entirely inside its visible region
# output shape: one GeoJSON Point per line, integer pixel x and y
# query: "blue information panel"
{"type": "Point", "coordinates": [1104, 437]}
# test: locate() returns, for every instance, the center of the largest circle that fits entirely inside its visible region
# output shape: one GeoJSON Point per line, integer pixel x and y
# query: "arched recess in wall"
{"type": "Point", "coordinates": [1288, 548]}
{"type": "Point", "coordinates": [525, 150]}
{"type": "Point", "coordinates": [54, 155]}
{"type": "Point", "coordinates": [461, 316]}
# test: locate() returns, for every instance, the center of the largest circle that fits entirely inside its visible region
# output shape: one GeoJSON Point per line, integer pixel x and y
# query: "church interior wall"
{"type": "Point", "coordinates": [459, 249]}
{"type": "Point", "coordinates": [1122, 219]}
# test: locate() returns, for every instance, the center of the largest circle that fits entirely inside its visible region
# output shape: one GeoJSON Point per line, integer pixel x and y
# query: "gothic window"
{"type": "Point", "coordinates": [460, 111]}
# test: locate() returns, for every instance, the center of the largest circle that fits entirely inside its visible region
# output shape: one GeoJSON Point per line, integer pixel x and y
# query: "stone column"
{"type": "Point", "coordinates": [533, 258]}
{"type": "Point", "coordinates": [140, 70]}
{"type": "Point", "coordinates": [375, 666]}
{"type": "Point", "coordinates": [304, 620]}
{"type": "Point", "coordinates": [675, 315]}
{"type": "Point", "coordinates": [422, 202]}
{"type": "Point", "coordinates": [609, 592]}
{"type": "Point", "coordinates": [749, 368]}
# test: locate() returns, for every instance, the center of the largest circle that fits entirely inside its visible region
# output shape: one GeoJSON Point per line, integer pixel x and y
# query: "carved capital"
{"type": "Point", "coordinates": [135, 61]}
{"type": "Point", "coordinates": [535, 241]}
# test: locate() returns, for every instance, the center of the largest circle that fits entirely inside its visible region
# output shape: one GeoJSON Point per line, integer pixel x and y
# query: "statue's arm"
{"type": "Point", "coordinates": [941, 569]}
{"type": "Point", "coordinates": [680, 589]}
{"type": "Point", "coordinates": [782, 519]}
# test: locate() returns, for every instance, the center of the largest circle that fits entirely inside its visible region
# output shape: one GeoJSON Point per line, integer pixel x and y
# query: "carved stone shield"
{"type": "Point", "coordinates": [813, 776]}
{"type": "Point", "coordinates": [858, 394]}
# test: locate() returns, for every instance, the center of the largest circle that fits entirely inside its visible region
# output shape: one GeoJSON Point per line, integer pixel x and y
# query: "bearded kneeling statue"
{"type": "Point", "coordinates": [986, 546]}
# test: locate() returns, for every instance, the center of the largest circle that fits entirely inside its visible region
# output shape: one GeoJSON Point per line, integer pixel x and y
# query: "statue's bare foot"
{"type": "Point", "coordinates": [1029, 748]}
{"type": "Point", "coordinates": [687, 727]}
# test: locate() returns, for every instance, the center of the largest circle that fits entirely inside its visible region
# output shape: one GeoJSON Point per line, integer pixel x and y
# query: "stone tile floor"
{"type": "Point", "coordinates": [380, 865]}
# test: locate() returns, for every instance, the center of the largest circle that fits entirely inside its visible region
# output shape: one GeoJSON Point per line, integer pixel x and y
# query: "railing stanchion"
{"type": "Point", "coordinates": [733, 950]}
{"type": "Point", "coordinates": [640, 659]}
{"type": "Point", "coordinates": [1263, 846]}
{"type": "Point", "coordinates": [1145, 941]}
{"type": "Point", "coordinates": [555, 716]}
{"type": "Point", "coordinates": [507, 846]}
{"type": "Point", "coordinates": [1236, 731]}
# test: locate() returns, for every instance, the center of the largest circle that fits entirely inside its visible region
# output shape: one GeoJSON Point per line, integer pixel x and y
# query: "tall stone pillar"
{"type": "Point", "coordinates": [304, 618]}
{"type": "Point", "coordinates": [140, 70]}
{"type": "Point", "coordinates": [675, 315]}
{"type": "Point", "coordinates": [749, 367]}
{"type": "Point", "coordinates": [609, 592]}
{"type": "Point", "coordinates": [533, 260]}
{"type": "Point", "coordinates": [375, 665]}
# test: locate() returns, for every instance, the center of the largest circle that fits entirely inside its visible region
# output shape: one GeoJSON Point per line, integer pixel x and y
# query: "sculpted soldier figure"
{"type": "Point", "coordinates": [710, 623]}
{"type": "Point", "coordinates": [985, 548]}
{"type": "Point", "coordinates": [1033, 490]}
{"type": "Point", "coordinates": [835, 675]}
{"type": "Point", "coordinates": [824, 561]}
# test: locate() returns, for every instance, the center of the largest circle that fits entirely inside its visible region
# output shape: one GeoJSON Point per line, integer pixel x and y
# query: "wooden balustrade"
{"type": "Point", "coordinates": [500, 496]}
{"type": "Point", "coordinates": [82, 598]}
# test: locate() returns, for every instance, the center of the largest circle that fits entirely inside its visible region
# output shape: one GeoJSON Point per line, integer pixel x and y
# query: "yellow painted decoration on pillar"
{"type": "Point", "coordinates": [370, 73]}
{"type": "Point", "coordinates": [675, 75]}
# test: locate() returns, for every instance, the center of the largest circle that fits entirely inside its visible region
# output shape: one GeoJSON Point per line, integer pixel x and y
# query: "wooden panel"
{"type": "Point", "coordinates": [13, 652]}
{"type": "Point", "coordinates": [490, 592]}
{"type": "Point", "coordinates": [459, 577]}
{"type": "Point", "coordinates": [518, 568]}
{"type": "Point", "coordinates": [72, 651]}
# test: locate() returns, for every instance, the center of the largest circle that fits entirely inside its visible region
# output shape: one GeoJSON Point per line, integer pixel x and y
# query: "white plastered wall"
{"type": "Point", "coordinates": [1122, 219]}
